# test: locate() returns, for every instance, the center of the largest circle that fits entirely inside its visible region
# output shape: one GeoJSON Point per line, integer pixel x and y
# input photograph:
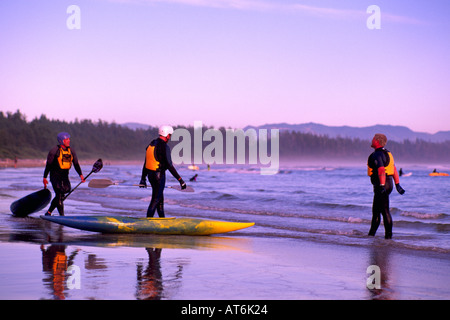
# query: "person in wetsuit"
{"type": "Point", "coordinates": [59, 161]}
{"type": "Point", "coordinates": [157, 161]}
{"type": "Point", "coordinates": [382, 170]}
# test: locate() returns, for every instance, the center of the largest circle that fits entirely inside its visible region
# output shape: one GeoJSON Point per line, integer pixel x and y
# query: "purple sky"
{"type": "Point", "coordinates": [228, 63]}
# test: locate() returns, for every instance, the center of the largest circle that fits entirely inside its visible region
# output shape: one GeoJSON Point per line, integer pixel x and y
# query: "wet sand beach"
{"type": "Point", "coordinates": [283, 257]}
{"type": "Point", "coordinates": [36, 257]}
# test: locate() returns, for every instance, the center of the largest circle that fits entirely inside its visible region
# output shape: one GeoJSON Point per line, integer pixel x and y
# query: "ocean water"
{"type": "Point", "coordinates": [324, 204]}
{"type": "Point", "coordinates": [321, 205]}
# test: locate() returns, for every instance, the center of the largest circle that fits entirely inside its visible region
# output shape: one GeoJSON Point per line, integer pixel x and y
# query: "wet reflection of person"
{"type": "Point", "coordinates": [380, 256]}
{"type": "Point", "coordinates": [55, 263]}
{"type": "Point", "coordinates": [149, 281]}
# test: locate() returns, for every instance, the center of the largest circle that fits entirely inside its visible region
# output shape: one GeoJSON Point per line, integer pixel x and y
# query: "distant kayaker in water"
{"type": "Point", "coordinates": [157, 161]}
{"type": "Point", "coordinates": [59, 161]}
{"type": "Point", "coordinates": [381, 169]}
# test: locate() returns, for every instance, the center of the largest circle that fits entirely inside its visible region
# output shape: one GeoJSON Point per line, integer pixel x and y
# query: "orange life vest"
{"type": "Point", "coordinates": [150, 160]}
{"type": "Point", "coordinates": [389, 168]}
{"type": "Point", "coordinates": [65, 158]}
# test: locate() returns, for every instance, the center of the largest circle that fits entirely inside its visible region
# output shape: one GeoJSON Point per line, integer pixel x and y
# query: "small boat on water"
{"type": "Point", "coordinates": [438, 174]}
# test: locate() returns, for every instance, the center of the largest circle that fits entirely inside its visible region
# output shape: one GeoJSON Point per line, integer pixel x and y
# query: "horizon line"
{"type": "Point", "coordinates": [6, 113]}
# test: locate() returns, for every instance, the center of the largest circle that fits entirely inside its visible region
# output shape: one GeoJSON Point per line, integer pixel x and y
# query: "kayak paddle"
{"type": "Point", "coordinates": [178, 188]}
{"type": "Point", "coordinates": [98, 165]}
{"type": "Point", "coordinates": [104, 183]}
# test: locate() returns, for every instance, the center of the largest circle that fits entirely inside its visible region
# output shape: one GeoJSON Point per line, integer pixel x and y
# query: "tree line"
{"type": "Point", "coordinates": [33, 139]}
{"type": "Point", "coordinates": [304, 145]}
{"type": "Point", "coordinates": [27, 140]}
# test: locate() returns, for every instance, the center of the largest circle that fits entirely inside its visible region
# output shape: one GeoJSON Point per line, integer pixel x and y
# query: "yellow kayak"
{"type": "Point", "coordinates": [166, 226]}
{"type": "Point", "coordinates": [439, 174]}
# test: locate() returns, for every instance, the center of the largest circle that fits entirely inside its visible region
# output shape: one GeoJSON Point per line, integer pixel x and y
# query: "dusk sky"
{"type": "Point", "coordinates": [228, 62]}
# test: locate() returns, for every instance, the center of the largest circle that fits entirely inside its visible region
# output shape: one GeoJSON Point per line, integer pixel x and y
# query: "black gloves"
{"type": "Point", "coordinates": [143, 184]}
{"type": "Point", "coordinates": [399, 188]}
{"type": "Point", "coordinates": [382, 190]}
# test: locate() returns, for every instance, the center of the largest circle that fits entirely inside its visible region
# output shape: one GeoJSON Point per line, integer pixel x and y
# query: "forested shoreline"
{"type": "Point", "coordinates": [33, 139]}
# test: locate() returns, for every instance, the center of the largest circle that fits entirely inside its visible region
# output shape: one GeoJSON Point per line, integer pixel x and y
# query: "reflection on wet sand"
{"type": "Point", "coordinates": [166, 241]}
{"type": "Point", "coordinates": [149, 280]}
{"type": "Point", "coordinates": [62, 248]}
{"type": "Point", "coordinates": [54, 265]}
{"type": "Point", "coordinates": [36, 230]}
{"type": "Point", "coordinates": [380, 256]}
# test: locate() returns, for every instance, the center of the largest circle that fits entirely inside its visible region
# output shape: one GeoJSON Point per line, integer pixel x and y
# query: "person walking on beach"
{"type": "Point", "coordinates": [381, 169]}
{"type": "Point", "coordinates": [157, 161]}
{"type": "Point", "coordinates": [59, 161]}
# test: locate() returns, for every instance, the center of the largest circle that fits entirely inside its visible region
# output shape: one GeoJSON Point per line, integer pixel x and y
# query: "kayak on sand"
{"type": "Point", "coordinates": [164, 226]}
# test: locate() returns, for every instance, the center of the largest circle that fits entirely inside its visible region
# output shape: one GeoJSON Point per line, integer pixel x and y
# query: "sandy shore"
{"type": "Point", "coordinates": [21, 163]}
{"type": "Point", "coordinates": [36, 256]}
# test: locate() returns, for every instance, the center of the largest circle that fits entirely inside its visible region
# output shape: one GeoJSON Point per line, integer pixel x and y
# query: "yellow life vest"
{"type": "Point", "coordinates": [150, 160]}
{"type": "Point", "coordinates": [65, 158]}
{"type": "Point", "coordinates": [389, 169]}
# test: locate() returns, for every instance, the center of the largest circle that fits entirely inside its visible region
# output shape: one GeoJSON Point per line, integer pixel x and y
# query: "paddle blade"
{"type": "Point", "coordinates": [178, 188]}
{"type": "Point", "coordinates": [33, 202]}
{"type": "Point", "coordinates": [100, 183]}
{"type": "Point", "coordinates": [104, 183]}
{"type": "Point", "coordinates": [98, 165]}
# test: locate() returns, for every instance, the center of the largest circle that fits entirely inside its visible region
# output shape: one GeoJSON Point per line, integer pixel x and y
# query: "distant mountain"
{"type": "Point", "coordinates": [394, 133]}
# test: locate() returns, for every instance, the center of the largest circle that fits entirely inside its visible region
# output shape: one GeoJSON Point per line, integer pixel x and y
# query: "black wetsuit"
{"type": "Point", "coordinates": [157, 178]}
{"type": "Point", "coordinates": [380, 158]}
{"type": "Point", "coordinates": [59, 177]}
